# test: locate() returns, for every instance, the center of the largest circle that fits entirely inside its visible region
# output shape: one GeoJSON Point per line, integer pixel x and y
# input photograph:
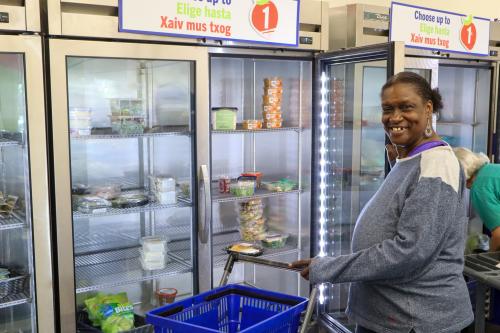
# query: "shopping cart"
{"type": "Point", "coordinates": [236, 308]}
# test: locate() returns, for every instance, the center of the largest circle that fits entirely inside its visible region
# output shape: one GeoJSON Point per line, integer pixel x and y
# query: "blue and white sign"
{"type": "Point", "coordinates": [255, 21]}
{"type": "Point", "coordinates": [433, 29]}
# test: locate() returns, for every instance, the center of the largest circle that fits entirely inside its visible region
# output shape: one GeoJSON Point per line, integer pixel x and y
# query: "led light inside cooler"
{"type": "Point", "coordinates": [322, 177]}
{"type": "Point", "coordinates": [322, 162]}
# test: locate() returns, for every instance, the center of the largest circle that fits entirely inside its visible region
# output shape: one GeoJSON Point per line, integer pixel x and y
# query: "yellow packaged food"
{"type": "Point", "coordinates": [273, 82]}
{"type": "Point", "coordinates": [277, 123]}
{"type": "Point", "coordinates": [252, 124]}
{"type": "Point", "coordinates": [273, 91]}
{"type": "Point", "coordinates": [271, 108]}
{"type": "Point", "coordinates": [271, 116]}
{"type": "Point", "coordinates": [271, 100]}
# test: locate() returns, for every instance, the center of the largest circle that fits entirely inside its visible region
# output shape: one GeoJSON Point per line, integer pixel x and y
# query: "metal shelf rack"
{"type": "Point", "coordinates": [13, 222]}
{"type": "Point", "coordinates": [259, 193]}
{"type": "Point", "coordinates": [123, 267]}
{"type": "Point", "coordinates": [12, 300]}
{"type": "Point", "coordinates": [108, 238]}
{"type": "Point", "coordinates": [239, 130]}
{"type": "Point", "coordinates": [222, 241]}
{"type": "Point", "coordinates": [8, 143]}
{"type": "Point", "coordinates": [140, 209]}
{"type": "Point", "coordinates": [107, 134]}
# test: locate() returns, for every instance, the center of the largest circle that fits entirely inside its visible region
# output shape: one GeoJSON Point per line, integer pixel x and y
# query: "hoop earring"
{"type": "Point", "coordinates": [428, 130]}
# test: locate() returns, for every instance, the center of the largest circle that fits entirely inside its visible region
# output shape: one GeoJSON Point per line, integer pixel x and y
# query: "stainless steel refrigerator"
{"type": "Point", "coordinates": [26, 289]}
{"type": "Point", "coordinates": [125, 115]}
{"type": "Point", "coordinates": [349, 140]}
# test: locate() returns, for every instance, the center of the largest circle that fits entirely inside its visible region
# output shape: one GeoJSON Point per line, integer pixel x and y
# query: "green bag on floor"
{"type": "Point", "coordinates": [113, 312]}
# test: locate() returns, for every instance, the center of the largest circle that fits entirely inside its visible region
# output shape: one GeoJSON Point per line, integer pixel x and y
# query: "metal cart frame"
{"type": "Point", "coordinates": [235, 257]}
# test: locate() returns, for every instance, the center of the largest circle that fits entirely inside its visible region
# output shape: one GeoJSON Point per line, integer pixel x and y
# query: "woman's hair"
{"type": "Point", "coordinates": [471, 162]}
{"type": "Point", "coordinates": [421, 85]}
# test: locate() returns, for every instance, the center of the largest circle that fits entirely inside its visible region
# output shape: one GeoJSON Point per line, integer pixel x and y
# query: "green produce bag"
{"type": "Point", "coordinates": [113, 312]}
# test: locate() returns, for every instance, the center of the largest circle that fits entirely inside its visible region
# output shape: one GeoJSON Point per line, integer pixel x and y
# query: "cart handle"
{"type": "Point", "coordinates": [234, 257]}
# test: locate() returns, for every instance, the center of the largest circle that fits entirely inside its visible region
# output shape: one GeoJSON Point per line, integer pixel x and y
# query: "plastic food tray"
{"type": "Point", "coordinates": [484, 267]}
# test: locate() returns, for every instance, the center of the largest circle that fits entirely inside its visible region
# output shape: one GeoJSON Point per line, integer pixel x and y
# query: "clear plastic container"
{"type": "Point", "coordinates": [92, 204]}
{"type": "Point", "coordinates": [271, 116]}
{"type": "Point", "coordinates": [243, 188]}
{"type": "Point", "coordinates": [224, 118]}
{"type": "Point", "coordinates": [276, 123]}
{"type": "Point", "coordinates": [153, 244]}
{"type": "Point", "coordinates": [274, 240]}
{"type": "Point", "coordinates": [252, 124]}
{"type": "Point", "coordinates": [273, 82]}
{"type": "Point", "coordinates": [107, 192]}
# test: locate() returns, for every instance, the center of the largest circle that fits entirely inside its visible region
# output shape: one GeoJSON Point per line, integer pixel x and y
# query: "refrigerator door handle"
{"type": "Point", "coordinates": [205, 199]}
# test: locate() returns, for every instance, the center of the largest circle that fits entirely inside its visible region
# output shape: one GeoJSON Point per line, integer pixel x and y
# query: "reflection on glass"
{"type": "Point", "coordinates": [466, 95]}
{"type": "Point", "coordinates": [372, 133]}
{"type": "Point", "coordinates": [355, 156]}
{"type": "Point", "coordinates": [131, 168]}
{"type": "Point", "coordinates": [17, 295]}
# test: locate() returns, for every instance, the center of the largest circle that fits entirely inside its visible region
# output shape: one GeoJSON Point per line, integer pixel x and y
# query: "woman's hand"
{"type": "Point", "coordinates": [303, 265]}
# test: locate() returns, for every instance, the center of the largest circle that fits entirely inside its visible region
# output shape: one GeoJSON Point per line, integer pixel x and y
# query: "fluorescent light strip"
{"type": "Point", "coordinates": [322, 163]}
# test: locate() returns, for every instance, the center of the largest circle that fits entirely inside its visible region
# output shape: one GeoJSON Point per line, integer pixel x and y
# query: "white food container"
{"type": "Point", "coordinates": [166, 198]}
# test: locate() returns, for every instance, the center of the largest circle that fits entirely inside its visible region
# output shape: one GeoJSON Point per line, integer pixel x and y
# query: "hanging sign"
{"type": "Point", "coordinates": [439, 30]}
{"type": "Point", "coordinates": [255, 21]}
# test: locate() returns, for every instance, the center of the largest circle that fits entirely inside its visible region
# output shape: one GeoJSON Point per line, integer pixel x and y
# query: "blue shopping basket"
{"type": "Point", "coordinates": [231, 309]}
{"type": "Point", "coordinates": [234, 308]}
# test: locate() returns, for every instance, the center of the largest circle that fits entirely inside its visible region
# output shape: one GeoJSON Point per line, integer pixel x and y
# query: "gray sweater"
{"type": "Point", "coordinates": [408, 245]}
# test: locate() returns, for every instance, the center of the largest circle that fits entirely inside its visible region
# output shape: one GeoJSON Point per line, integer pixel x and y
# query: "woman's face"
{"type": "Point", "coordinates": [405, 115]}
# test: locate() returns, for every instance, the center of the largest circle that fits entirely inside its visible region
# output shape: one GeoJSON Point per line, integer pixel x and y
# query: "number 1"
{"type": "Point", "coordinates": [266, 17]}
{"type": "Point", "coordinates": [469, 34]}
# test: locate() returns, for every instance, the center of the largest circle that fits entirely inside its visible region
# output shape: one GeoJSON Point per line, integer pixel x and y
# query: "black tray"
{"type": "Point", "coordinates": [84, 325]}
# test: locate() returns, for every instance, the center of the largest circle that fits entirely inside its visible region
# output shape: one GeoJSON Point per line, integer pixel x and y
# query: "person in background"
{"type": "Point", "coordinates": [483, 180]}
{"type": "Point", "coordinates": [407, 259]}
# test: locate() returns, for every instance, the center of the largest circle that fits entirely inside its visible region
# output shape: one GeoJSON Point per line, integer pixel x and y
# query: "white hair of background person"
{"type": "Point", "coordinates": [471, 162]}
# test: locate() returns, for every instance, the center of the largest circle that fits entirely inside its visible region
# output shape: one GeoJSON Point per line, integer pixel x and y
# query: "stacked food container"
{"type": "Point", "coordinates": [271, 107]}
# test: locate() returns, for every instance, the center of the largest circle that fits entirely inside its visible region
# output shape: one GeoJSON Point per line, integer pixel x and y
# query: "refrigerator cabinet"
{"type": "Point", "coordinates": [26, 299]}
{"type": "Point", "coordinates": [128, 114]}
{"type": "Point", "coordinates": [20, 16]}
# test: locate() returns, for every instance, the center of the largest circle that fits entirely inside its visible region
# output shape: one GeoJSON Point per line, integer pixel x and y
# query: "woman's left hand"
{"type": "Point", "coordinates": [303, 265]}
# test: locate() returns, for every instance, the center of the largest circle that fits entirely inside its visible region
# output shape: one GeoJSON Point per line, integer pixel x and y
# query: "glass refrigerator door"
{"type": "Point", "coordinates": [261, 164]}
{"type": "Point", "coordinates": [349, 156]}
{"type": "Point", "coordinates": [464, 120]}
{"type": "Point", "coordinates": [25, 259]}
{"type": "Point", "coordinates": [131, 148]}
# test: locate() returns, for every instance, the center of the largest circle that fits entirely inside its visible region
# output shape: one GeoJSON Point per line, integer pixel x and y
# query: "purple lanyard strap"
{"type": "Point", "coordinates": [427, 145]}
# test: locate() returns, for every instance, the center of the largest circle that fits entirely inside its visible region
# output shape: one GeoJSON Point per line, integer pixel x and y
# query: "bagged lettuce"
{"type": "Point", "coordinates": [113, 312]}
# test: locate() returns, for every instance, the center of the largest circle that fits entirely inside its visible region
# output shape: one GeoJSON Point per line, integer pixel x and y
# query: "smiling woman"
{"type": "Point", "coordinates": [407, 247]}
{"type": "Point", "coordinates": [407, 106]}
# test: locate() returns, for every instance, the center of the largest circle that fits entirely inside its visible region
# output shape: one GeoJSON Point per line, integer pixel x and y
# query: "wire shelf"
{"type": "Point", "coordinates": [106, 133]}
{"type": "Point", "coordinates": [239, 130]}
{"type": "Point", "coordinates": [13, 222]}
{"type": "Point", "coordinates": [224, 240]}
{"type": "Point", "coordinates": [140, 209]}
{"type": "Point", "coordinates": [8, 142]}
{"type": "Point", "coordinates": [259, 193]}
{"type": "Point", "coordinates": [123, 267]}
{"type": "Point", "coordinates": [107, 237]}
{"type": "Point", "coordinates": [13, 300]}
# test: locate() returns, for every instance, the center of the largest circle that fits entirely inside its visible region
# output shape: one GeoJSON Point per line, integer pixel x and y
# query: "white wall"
{"type": "Point", "coordinates": [484, 8]}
